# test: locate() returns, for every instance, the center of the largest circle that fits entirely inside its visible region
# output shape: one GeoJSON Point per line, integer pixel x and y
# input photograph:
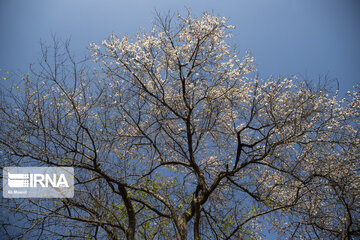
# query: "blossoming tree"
{"type": "Point", "coordinates": [174, 136]}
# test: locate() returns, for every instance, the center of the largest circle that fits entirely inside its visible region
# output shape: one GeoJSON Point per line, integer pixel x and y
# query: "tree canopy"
{"type": "Point", "coordinates": [173, 136]}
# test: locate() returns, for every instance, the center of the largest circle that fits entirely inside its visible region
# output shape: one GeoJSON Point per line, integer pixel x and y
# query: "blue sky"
{"type": "Point", "coordinates": [308, 37]}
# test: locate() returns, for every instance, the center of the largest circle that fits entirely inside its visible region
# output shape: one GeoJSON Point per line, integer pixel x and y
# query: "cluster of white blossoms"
{"type": "Point", "coordinates": [194, 53]}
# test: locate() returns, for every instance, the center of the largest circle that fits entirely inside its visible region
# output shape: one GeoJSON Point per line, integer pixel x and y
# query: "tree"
{"type": "Point", "coordinates": [173, 136]}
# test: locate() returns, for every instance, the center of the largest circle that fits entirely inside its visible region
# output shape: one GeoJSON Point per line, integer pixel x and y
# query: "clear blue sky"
{"type": "Point", "coordinates": [307, 37]}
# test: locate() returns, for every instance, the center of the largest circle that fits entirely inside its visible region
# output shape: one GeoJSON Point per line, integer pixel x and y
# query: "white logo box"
{"type": "Point", "coordinates": [38, 182]}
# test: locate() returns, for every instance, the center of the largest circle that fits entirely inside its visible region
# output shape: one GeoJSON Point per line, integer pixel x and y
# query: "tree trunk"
{"type": "Point", "coordinates": [197, 222]}
{"type": "Point", "coordinates": [130, 231]}
{"type": "Point", "coordinates": [181, 228]}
